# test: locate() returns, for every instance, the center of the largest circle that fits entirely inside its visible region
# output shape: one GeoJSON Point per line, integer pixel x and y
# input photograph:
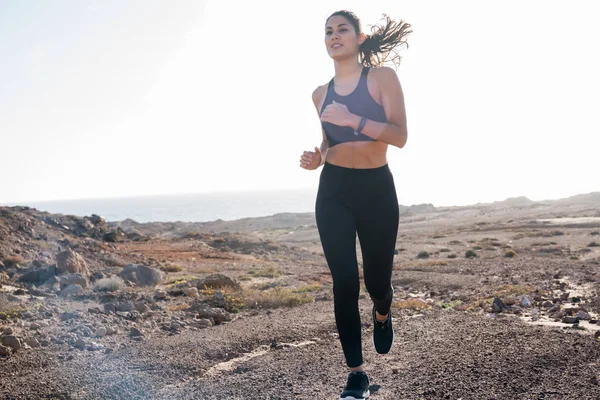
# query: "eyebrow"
{"type": "Point", "coordinates": [329, 27]}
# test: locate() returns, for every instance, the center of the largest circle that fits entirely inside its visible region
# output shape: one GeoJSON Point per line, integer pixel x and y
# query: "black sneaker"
{"type": "Point", "coordinates": [357, 387]}
{"type": "Point", "coordinates": [383, 333]}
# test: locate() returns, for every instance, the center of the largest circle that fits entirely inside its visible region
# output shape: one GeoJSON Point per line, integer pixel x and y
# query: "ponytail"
{"type": "Point", "coordinates": [382, 44]}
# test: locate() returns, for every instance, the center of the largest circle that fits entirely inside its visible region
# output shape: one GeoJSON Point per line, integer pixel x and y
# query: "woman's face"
{"type": "Point", "coordinates": [341, 39]}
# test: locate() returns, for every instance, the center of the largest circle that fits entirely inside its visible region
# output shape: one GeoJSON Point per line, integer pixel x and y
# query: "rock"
{"type": "Point", "coordinates": [219, 295]}
{"type": "Point", "coordinates": [201, 323]}
{"type": "Point", "coordinates": [79, 344]}
{"type": "Point", "coordinates": [38, 275]}
{"type": "Point", "coordinates": [72, 290]}
{"type": "Point", "coordinates": [95, 310]}
{"type": "Point", "coordinates": [526, 301]}
{"type": "Point", "coordinates": [191, 292]}
{"type": "Point", "coordinates": [5, 351]}
{"type": "Point", "coordinates": [216, 281]}
{"type": "Point", "coordinates": [569, 319]}
{"type": "Point", "coordinates": [217, 314]}
{"type": "Point", "coordinates": [19, 292]}
{"type": "Point", "coordinates": [95, 347]}
{"type": "Point", "coordinates": [35, 326]}
{"type": "Point", "coordinates": [73, 279]}
{"type": "Point", "coordinates": [547, 304]}
{"type": "Point", "coordinates": [52, 281]}
{"type": "Point", "coordinates": [583, 315]}
{"type": "Point", "coordinates": [67, 316]}
{"type": "Point", "coordinates": [111, 331]}
{"type": "Point", "coordinates": [115, 235]}
{"type": "Point", "coordinates": [7, 330]}
{"type": "Point", "coordinates": [125, 306]}
{"type": "Point", "coordinates": [110, 308]}
{"type": "Point", "coordinates": [141, 275]}
{"type": "Point", "coordinates": [101, 332]}
{"type": "Point", "coordinates": [497, 305]}
{"type": "Point", "coordinates": [160, 294]}
{"type": "Point", "coordinates": [597, 334]}
{"type": "Point", "coordinates": [141, 307]}
{"type": "Point", "coordinates": [33, 343]}
{"type": "Point", "coordinates": [70, 262]}
{"type": "Point", "coordinates": [135, 332]}
{"type": "Point", "coordinates": [11, 341]}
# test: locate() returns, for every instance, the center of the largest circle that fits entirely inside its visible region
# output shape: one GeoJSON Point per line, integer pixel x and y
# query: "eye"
{"type": "Point", "coordinates": [343, 30]}
{"type": "Point", "coordinates": [328, 32]}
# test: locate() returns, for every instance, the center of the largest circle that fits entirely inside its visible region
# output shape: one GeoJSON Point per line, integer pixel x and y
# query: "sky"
{"type": "Point", "coordinates": [104, 99]}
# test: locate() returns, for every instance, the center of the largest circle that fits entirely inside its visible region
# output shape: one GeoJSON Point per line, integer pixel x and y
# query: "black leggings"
{"type": "Point", "coordinates": [363, 201]}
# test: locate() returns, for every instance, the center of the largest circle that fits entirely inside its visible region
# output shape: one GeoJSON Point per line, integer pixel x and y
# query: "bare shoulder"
{"type": "Point", "coordinates": [318, 94]}
{"type": "Point", "coordinates": [384, 76]}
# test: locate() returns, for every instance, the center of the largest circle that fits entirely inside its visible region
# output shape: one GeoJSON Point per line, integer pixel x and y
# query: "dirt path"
{"type": "Point", "coordinates": [441, 355]}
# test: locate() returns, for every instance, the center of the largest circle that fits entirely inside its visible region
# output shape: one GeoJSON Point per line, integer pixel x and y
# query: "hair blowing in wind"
{"type": "Point", "coordinates": [382, 44]}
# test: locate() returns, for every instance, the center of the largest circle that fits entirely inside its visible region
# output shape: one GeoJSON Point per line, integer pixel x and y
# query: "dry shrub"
{"type": "Point", "coordinates": [470, 254]}
{"type": "Point", "coordinates": [12, 261]}
{"type": "Point", "coordinates": [423, 254]}
{"type": "Point", "coordinates": [111, 284]}
{"type": "Point", "coordinates": [513, 290]}
{"type": "Point", "coordinates": [274, 298]}
{"type": "Point", "coordinates": [593, 244]}
{"type": "Point", "coordinates": [177, 307]}
{"type": "Point", "coordinates": [171, 268]}
{"type": "Point", "coordinates": [410, 304]}
{"type": "Point", "coordinates": [510, 254]}
{"type": "Point", "coordinates": [268, 272]}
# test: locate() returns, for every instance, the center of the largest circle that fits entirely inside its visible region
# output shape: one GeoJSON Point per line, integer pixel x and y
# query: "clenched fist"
{"type": "Point", "coordinates": [311, 159]}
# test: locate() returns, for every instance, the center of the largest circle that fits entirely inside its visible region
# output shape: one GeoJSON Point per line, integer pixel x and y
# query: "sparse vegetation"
{"type": "Point", "coordinates": [477, 248]}
{"type": "Point", "coordinates": [423, 254]}
{"type": "Point", "coordinates": [470, 254]}
{"type": "Point", "coordinates": [593, 244]}
{"type": "Point", "coordinates": [510, 254]}
{"type": "Point", "coordinates": [595, 233]}
{"type": "Point", "coordinates": [12, 261]}
{"type": "Point", "coordinates": [452, 255]}
{"type": "Point", "coordinates": [111, 284]}
{"type": "Point", "coordinates": [177, 281]}
{"type": "Point", "coordinates": [171, 268]}
{"type": "Point", "coordinates": [410, 304]}
{"type": "Point", "coordinates": [268, 272]}
{"type": "Point", "coordinates": [449, 304]}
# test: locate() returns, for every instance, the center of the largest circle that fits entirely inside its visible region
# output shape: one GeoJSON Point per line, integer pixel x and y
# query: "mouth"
{"type": "Point", "coordinates": [336, 45]}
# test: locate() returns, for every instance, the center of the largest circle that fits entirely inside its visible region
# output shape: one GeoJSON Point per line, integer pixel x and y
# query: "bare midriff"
{"type": "Point", "coordinates": [358, 154]}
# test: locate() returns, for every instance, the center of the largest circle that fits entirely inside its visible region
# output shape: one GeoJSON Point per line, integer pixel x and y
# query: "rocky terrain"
{"type": "Point", "coordinates": [492, 301]}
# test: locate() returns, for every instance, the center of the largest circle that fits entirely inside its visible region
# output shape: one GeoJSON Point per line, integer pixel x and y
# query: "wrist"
{"type": "Point", "coordinates": [355, 121]}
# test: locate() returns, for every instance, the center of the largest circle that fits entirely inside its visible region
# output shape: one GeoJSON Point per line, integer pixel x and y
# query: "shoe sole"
{"type": "Point", "coordinates": [373, 340]}
{"type": "Point", "coordinates": [366, 396]}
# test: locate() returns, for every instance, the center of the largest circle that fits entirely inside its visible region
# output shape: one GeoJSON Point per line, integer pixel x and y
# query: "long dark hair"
{"type": "Point", "coordinates": [381, 46]}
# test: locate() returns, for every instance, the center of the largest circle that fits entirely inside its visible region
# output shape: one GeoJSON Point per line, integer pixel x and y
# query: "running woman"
{"type": "Point", "coordinates": [362, 112]}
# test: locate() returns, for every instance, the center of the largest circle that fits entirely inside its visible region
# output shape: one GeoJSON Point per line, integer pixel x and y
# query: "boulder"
{"type": "Point", "coordinates": [69, 261]}
{"type": "Point", "coordinates": [73, 279]}
{"type": "Point", "coordinates": [141, 275]}
{"type": "Point", "coordinates": [38, 275]}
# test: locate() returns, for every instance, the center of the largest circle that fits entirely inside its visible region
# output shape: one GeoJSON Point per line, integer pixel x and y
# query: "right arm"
{"type": "Point", "coordinates": [318, 96]}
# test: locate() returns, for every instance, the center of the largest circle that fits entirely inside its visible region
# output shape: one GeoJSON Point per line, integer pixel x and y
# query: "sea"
{"type": "Point", "coordinates": [201, 207]}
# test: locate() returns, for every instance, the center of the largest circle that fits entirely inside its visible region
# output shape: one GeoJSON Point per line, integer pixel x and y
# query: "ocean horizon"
{"type": "Point", "coordinates": [193, 207]}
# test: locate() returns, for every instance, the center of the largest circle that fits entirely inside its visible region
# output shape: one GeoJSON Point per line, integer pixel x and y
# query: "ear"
{"type": "Point", "coordinates": [361, 38]}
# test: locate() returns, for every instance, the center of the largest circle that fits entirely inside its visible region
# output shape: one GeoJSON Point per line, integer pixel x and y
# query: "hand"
{"type": "Point", "coordinates": [311, 160]}
{"type": "Point", "coordinates": [338, 114]}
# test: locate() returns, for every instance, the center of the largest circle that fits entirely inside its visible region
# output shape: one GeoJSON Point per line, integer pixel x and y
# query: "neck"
{"type": "Point", "coordinates": [347, 68]}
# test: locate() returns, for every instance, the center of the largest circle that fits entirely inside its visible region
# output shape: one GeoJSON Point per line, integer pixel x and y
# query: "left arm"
{"type": "Point", "coordinates": [394, 131]}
